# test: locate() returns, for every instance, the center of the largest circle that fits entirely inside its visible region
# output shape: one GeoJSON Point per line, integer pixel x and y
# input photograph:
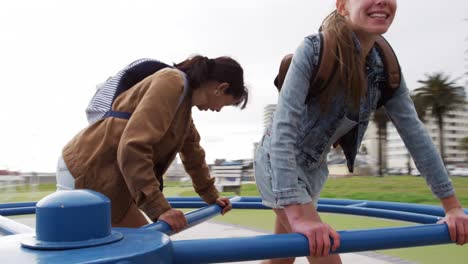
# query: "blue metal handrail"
{"type": "Point", "coordinates": [16, 205]}
{"type": "Point", "coordinates": [296, 245]}
{"type": "Point", "coordinates": [193, 218]}
{"type": "Point", "coordinates": [275, 246]}
{"type": "Point", "coordinates": [18, 211]}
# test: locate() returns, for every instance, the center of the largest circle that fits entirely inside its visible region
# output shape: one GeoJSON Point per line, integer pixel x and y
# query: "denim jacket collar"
{"type": "Point", "coordinates": [372, 59]}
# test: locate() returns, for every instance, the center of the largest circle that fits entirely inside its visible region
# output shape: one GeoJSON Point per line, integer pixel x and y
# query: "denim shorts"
{"type": "Point", "coordinates": [65, 180]}
{"type": "Point", "coordinates": [263, 179]}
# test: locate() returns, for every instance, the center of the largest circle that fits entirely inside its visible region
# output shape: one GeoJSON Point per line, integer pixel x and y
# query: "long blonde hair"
{"type": "Point", "coordinates": [349, 78]}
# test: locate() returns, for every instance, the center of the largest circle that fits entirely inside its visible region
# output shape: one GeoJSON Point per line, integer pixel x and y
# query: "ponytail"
{"type": "Point", "coordinates": [201, 69]}
{"type": "Point", "coordinates": [197, 69]}
{"type": "Point", "coordinates": [349, 78]}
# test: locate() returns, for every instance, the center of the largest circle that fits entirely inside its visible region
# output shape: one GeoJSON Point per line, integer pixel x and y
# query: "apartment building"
{"type": "Point", "coordinates": [455, 129]}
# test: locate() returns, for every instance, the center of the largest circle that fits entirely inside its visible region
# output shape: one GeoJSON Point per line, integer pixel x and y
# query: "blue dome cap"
{"type": "Point", "coordinates": [72, 219]}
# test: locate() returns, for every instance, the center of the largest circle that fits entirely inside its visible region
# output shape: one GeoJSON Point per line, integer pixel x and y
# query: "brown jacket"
{"type": "Point", "coordinates": [126, 159]}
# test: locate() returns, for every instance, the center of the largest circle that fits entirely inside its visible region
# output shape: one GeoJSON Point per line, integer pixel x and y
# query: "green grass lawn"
{"type": "Point", "coordinates": [396, 188]}
{"type": "Point", "coordinates": [25, 193]}
{"type": "Point", "coordinates": [408, 189]}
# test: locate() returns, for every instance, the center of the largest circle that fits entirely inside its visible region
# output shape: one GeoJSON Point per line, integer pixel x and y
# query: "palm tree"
{"type": "Point", "coordinates": [380, 119]}
{"type": "Point", "coordinates": [438, 95]}
{"type": "Point", "coordinates": [419, 106]}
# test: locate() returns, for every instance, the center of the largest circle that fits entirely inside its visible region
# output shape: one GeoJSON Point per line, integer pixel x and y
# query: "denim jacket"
{"type": "Point", "coordinates": [300, 133]}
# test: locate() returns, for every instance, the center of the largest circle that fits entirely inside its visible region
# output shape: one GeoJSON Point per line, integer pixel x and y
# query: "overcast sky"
{"type": "Point", "coordinates": [54, 52]}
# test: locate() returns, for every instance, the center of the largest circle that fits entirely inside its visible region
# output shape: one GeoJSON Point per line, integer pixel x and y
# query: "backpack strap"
{"type": "Point", "coordinates": [321, 74]}
{"type": "Point", "coordinates": [127, 115]}
{"type": "Point", "coordinates": [392, 70]}
{"type": "Point", "coordinates": [117, 114]}
{"type": "Point", "coordinates": [327, 67]}
{"type": "Point", "coordinates": [392, 67]}
{"type": "Point", "coordinates": [283, 69]}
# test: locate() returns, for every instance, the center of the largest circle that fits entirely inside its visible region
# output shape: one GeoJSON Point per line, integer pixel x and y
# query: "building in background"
{"type": "Point", "coordinates": [176, 172]}
{"type": "Point", "coordinates": [268, 111]}
{"type": "Point", "coordinates": [230, 175]}
{"type": "Point", "coordinates": [455, 128]}
{"type": "Point", "coordinates": [11, 179]}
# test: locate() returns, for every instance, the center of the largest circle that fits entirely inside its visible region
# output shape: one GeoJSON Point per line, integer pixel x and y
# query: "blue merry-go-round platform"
{"type": "Point", "coordinates": [74, 227]}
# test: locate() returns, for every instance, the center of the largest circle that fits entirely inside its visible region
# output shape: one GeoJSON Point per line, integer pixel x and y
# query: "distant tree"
{"type": "Point", "coordinates": [364, 150]}
{"type": "Point", "coordinates": [419, 106]}
{"type": "Point", "coordinates": [464, 145]}
{"type": "Point", "coordinates": [381, 119]}
{"type": "Point", "coordinates": [438, 95]}
{"type": "Point", "coordinates": [408, 163]}
{"type": "Point", "coordinates": [219, 161]}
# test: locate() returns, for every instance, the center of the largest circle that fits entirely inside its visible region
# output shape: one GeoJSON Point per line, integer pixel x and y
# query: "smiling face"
{"type": "Point", "coordinates": [373, 17]}
{"type": "Point", "coordinates": [215, 98]}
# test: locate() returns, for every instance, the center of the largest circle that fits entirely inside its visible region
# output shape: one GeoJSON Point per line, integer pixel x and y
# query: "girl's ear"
{"type": "Point", "coordinates": [341, 7]}
{"type": "Point", "coordinates": [221, 88]}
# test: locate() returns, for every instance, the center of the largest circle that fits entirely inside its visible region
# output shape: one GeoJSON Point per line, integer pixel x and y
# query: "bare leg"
{"type": "Point", "coordinates": [280, 229]}
{"type": "Point", "coordinates": [133, 218]}
{"type": "Point", "coordinates": [331, 259]}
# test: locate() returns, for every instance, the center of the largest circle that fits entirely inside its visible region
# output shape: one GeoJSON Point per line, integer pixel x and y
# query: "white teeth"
{"type": "Point", "coordinates": [379, 15]}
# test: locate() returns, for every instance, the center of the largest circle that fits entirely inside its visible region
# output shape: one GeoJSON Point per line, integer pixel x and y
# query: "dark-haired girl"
{"type": "Point", "coordinates": [125, 159]}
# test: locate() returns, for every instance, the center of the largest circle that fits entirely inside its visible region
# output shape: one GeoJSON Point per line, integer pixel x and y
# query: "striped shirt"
{"type": "Point", "coordinates": [101, 103]}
